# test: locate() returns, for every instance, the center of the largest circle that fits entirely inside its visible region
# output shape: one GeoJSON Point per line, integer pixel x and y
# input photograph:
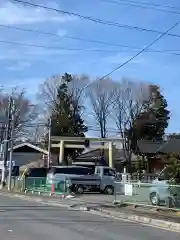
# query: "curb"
{"type": "Point", "coordinates": [34, 199]}
{"type": "Point", "coordinates": [140, 219]}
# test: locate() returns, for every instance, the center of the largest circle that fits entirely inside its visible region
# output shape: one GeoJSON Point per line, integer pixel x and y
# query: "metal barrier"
{"type": "Point", "coordinates": [158, 194]}
{"type": "Point", "coordinates": [17, 184]}
{"type": "Point", "coordinates": [40, 185]}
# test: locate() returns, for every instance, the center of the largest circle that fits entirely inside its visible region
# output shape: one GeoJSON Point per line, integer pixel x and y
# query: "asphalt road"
{"type": "Point", "coordinates": [23, 220]}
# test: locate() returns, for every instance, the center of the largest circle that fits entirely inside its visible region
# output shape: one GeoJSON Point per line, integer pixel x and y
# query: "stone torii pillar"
{"type": "Point", "coordinates": [61, 152]}
{"type": "Point", "coordinates": [111, 154]}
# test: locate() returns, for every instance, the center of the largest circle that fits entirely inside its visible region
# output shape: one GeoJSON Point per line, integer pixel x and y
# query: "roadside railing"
{"type": "Point", "coordinates": [134, 177]}
{"type": "Point", "coordinates": [147, 177]}
{"type": "Point", "coordinates": [159, 195]}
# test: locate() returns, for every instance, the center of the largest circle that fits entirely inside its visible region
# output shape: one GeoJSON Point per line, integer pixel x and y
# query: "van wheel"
{"type": "Point", "coordinates": [154, 198]}
{"type": "Point", "coordinates": [109, 190]}
{"type": "Point", "coordinates": [80, 189]}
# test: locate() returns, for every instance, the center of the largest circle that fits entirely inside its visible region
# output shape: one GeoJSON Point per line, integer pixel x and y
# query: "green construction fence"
{"type": "Point", "coordinates": [38, 184]}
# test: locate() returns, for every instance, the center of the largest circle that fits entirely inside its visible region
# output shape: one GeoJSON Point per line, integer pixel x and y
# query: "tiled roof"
{"type": "Point", "coordinates": [144, 146]}
{"type": "Point", "coordinates": [118, 155]}
{"type": "Point", "coordinates": [171, 146]}
{"type": "Point", "coordinates": [149, 146]}
{"type": "Point", "coordinates": [29, 145]}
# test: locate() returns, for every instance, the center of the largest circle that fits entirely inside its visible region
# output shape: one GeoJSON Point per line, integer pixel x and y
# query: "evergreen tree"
{"type": "Point", "coordinates": [155, 128]}
{"type": "Point", "coordinates": [66, 117]}
{"type": "Point", "coordinates": [151, 123]}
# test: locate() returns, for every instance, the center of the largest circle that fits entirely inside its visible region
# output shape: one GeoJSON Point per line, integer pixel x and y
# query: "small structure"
{"type": "Point", "coordinates": [29, 154]}
{"type": "Point", "coordinates": [149, 149]}
{"type": "Point", "coordinates": [156, 152]}
{"type": "Point", "coordinates": [118, 157]}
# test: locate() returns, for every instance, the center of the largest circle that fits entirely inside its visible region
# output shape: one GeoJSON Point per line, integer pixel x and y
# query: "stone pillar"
{"type": "Point", "coordinates": [61, 152]}
{"type": "Point", "coordinates": [110, 154]}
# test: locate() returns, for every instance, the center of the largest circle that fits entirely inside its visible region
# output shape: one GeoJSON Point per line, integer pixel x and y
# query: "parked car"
{"type": "Point", "coordinates": [161, 192]}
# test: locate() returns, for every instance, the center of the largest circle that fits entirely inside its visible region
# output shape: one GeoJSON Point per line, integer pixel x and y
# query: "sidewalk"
{"type": "Point", "coordinates": [145, 212]}
{"type": "Point", "coordinates": [171, 223]}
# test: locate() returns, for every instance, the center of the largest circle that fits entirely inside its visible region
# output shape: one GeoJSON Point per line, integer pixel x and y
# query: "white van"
{"type": "Point", "coordinates": [80, 179]}
{"type": "Point", "coordinates": [59, 173]}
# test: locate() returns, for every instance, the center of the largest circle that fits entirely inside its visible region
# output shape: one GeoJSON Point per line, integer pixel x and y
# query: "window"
{"type": "Point", "coordinates": [98, 172]}
{"type": "Point", "coordinates": [81, 171]}
{"type": "Point", "coordinates": [109, 172]}
{"type": "Point", "coordinates": [62, 170]}
{"type": "Point", "coordinates": [37, 172]}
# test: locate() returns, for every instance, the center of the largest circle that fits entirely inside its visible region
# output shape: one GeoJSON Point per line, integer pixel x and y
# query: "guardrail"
{"type": "Point", "coordinates": [148, 194]}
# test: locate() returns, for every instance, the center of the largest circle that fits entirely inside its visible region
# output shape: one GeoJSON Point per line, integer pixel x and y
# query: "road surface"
{"type": "Point", "coordinates": [23, 220]}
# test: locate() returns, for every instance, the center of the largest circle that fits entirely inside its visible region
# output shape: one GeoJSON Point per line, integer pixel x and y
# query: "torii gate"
{"type": "Point", "coordinates": [70, 142]}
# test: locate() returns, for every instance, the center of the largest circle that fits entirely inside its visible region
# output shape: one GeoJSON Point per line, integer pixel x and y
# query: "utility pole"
{"type": "Point", "coordinates": [1, 140]}
{"type": "Point", "coordinates": [49, 141]}
{"type": "Point", "coordinates": [6, 140]}
{"type": "Point", "coordinates": [11, 142]}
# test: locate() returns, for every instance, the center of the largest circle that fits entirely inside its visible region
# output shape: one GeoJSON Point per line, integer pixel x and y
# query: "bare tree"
{"type": "Point", "coordinates": [101, 95]}
{"type": "Point", "coordinates": [25, 112]}
{"type": "Point", "coordinates": [47, 95]}
{"type": "Point", "coordinates": [131, 98]}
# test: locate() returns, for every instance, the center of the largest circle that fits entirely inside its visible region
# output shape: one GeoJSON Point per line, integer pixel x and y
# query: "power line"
{"type": "Point", "coordinates": [143, 50]}
{"type": "Point", "coordinates": [151, 4]}
{"type": "Point", "coordinates": [93, 19]}
{"type": "Point", "coordinates": [162, 34]}
{"type": "Point", "coordinates": [171, 52]}
{"type": "Point", "coordinates": [56, 48]}
{"type": "Point", "coordinates": [90, 128]}
{"type": "Point", "coordinates": [137, 4]}
{"type": "Point", "coordinates": [65, 36]}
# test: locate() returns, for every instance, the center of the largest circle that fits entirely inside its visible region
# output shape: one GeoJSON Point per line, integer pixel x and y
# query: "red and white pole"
{"type": "Point", "coordinates": [53, 188]}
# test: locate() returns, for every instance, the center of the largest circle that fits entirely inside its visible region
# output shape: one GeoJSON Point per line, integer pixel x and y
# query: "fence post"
{"type": "Point", "coordinates": [53, 188]}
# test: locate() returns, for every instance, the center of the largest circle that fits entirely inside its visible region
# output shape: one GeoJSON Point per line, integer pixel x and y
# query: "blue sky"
{"type": "Point", "coordinates": [27, 67]}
